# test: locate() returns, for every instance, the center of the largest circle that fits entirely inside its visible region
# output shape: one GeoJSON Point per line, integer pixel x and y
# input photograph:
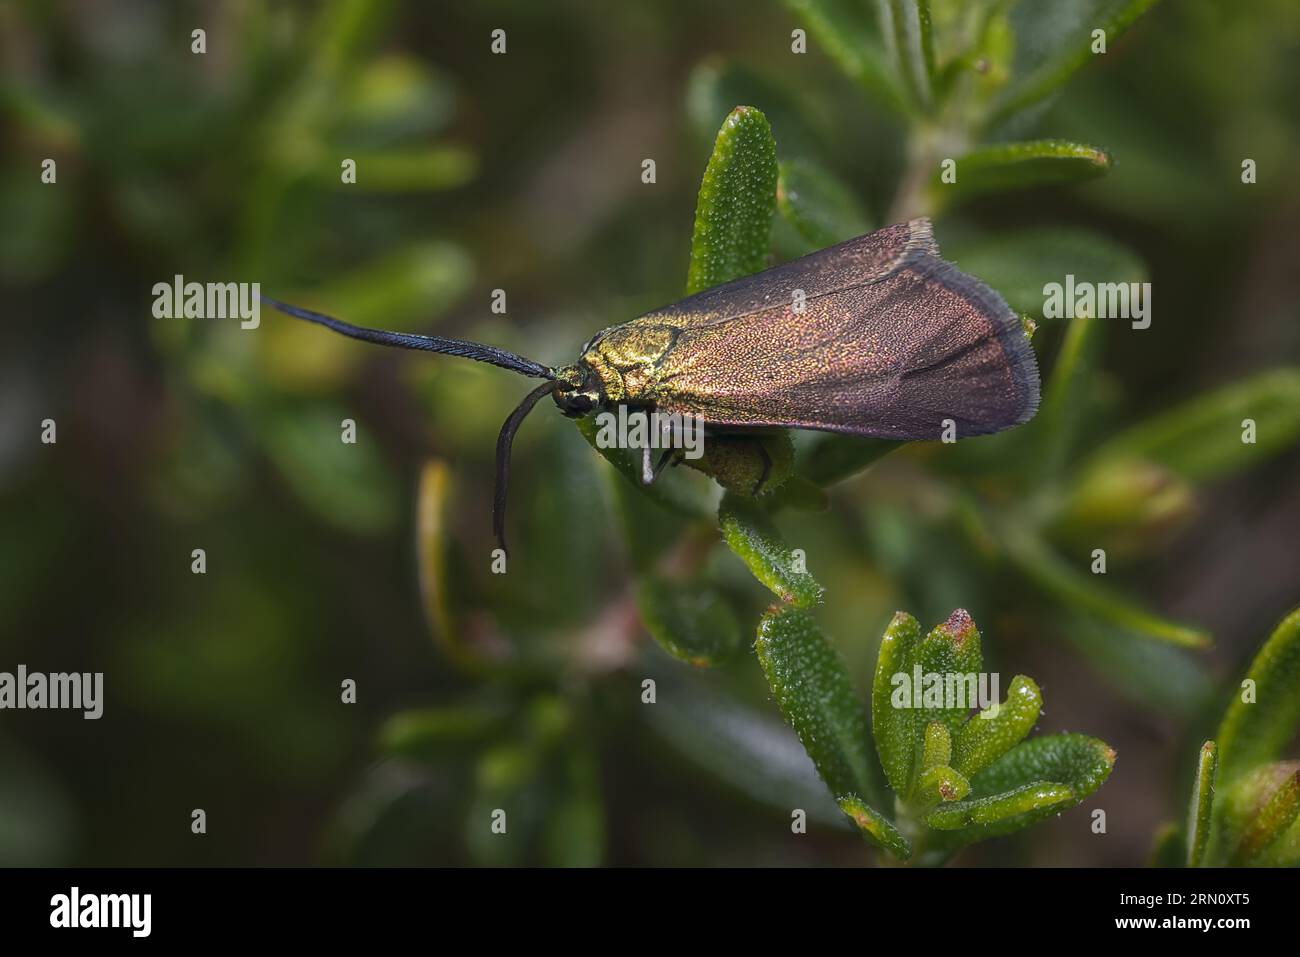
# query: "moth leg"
{"type": "Point", "coordinates": [767, 469]}
{"type": "Point", "coordinates": [664, 459]}
{"type": "Point", "coordinates": [650, 475]}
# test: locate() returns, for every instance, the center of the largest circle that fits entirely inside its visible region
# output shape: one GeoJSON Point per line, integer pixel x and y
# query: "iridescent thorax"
{"type": "Point", "coordinates": [620, 365]}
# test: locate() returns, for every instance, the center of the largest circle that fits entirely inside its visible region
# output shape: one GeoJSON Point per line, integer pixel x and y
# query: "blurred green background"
{"type": "Point", "coordinates": [522, 172]}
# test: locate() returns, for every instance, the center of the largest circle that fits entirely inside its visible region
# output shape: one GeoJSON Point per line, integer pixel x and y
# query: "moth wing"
{"type": "Point", "coordinates": [862, 260]}
{"type": "Point", "coordinates": [892, 354]}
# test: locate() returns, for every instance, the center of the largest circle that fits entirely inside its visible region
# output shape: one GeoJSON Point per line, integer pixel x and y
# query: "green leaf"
{"type": "Point", "coordinates": [1079, 589]}
{"type": "Point", "coordinates": [834, 458]}
{"type": "Point", "coordinates": [341, 34]}
{"type": "Point", "coordinates": [950, 650]}
{"type": "Point", "coordinates": [991, 733]}
{"type": "Point", "coordinates": [1255, 732]}
{"type": "Point", "coordinates": [850, 34]}
{"type": "Point", "coordinates": [392, 99]}
{"type": "Point", "coordinates": [937, 747]}
{"type": "Point", "coordinates": [819, 205]}
{"type": "Point", "coordinates": [1004, 167]}
{"type": "Point", "coordinates": [433, 504]}
{"type": "Point", "coordinates": [1076, 760]}
{"type": "Point", "coordinates": [1034, 780]}
{"type": "Point", "coordinates": [733, 215]}
{"type": "Point", "coordinates": [406, 170]}
{"type": "Point", "coordinates": [1065, 406]}
{"type": "Point", "coordinates": [349, 486]}
{"type": "Point", "coordinates": [911, 47]}
{"type": "Point", "coordinates": [925, 36]}
{"type": "Point", "coordinates": [1128, 505]}
{"type": "Point", "coordinates": [691, 621]}
{"type": "Point", "coordinates": [1202, 439]}
{"type": "Point", "coordinates": [875, 828]}
{"type": "Point", "coordinates": [1039, 28]}
{"type": "Point", "coordinates": [1003, 813]}
{"type": "Point", "coordinates": [1202, 809]}
{"type": "Point", "coordinates": [749, 532]}
{"type": "Point", "coordinates": [1165, 678]}
{"type": "Point", "coordinates": [894, 728]}
{"type": "Point", "coordinates": [1019, 265]}
{"type": "Point", "coordinates": [1260, 817]}
{"type": "Point", "coordinates": [940, 784]}
{"type": "Point", "coordinates": [432, 732]}
{"type": "Point", "coordinates": [813, 689]}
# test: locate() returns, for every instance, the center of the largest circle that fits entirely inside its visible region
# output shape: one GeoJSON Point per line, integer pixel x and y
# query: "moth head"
{"type": "Point", "coordinates": [578, 390]}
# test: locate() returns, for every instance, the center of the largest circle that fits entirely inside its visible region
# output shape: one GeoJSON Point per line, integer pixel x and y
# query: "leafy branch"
{"type": "Point", "coordinates": [1245, 803]}
{"type": "Point", "coordinates": [918, 783]}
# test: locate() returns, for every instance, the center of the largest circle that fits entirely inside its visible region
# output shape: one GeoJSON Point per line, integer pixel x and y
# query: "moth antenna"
{"type": "Point", "coordinates": [405, 340]}
{"type": "Point", "coordinates": [504, 441]}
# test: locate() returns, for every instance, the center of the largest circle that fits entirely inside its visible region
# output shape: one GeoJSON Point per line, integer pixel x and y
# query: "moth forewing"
{"type": "Point", "coordinates": [888, 341]}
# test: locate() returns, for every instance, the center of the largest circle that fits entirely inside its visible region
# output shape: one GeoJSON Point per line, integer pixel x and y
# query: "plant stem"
{"type": "Point", "coordinates": [928, 146]}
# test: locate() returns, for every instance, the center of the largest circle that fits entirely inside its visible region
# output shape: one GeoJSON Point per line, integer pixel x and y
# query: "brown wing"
{"type": "Point", "coordinates": [857, 261]}
{"type": "Point", "coordinates": [892, 340]}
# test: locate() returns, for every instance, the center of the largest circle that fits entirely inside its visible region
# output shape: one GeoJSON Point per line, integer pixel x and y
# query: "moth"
{"type": "Point", "coordinates": [878, 337]}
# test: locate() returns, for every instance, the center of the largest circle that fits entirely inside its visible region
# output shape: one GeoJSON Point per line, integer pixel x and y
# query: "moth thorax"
{"type": "Point", "coordinates": [600, 375]}
{"type": "Point", "coordinates": [626, 359]}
